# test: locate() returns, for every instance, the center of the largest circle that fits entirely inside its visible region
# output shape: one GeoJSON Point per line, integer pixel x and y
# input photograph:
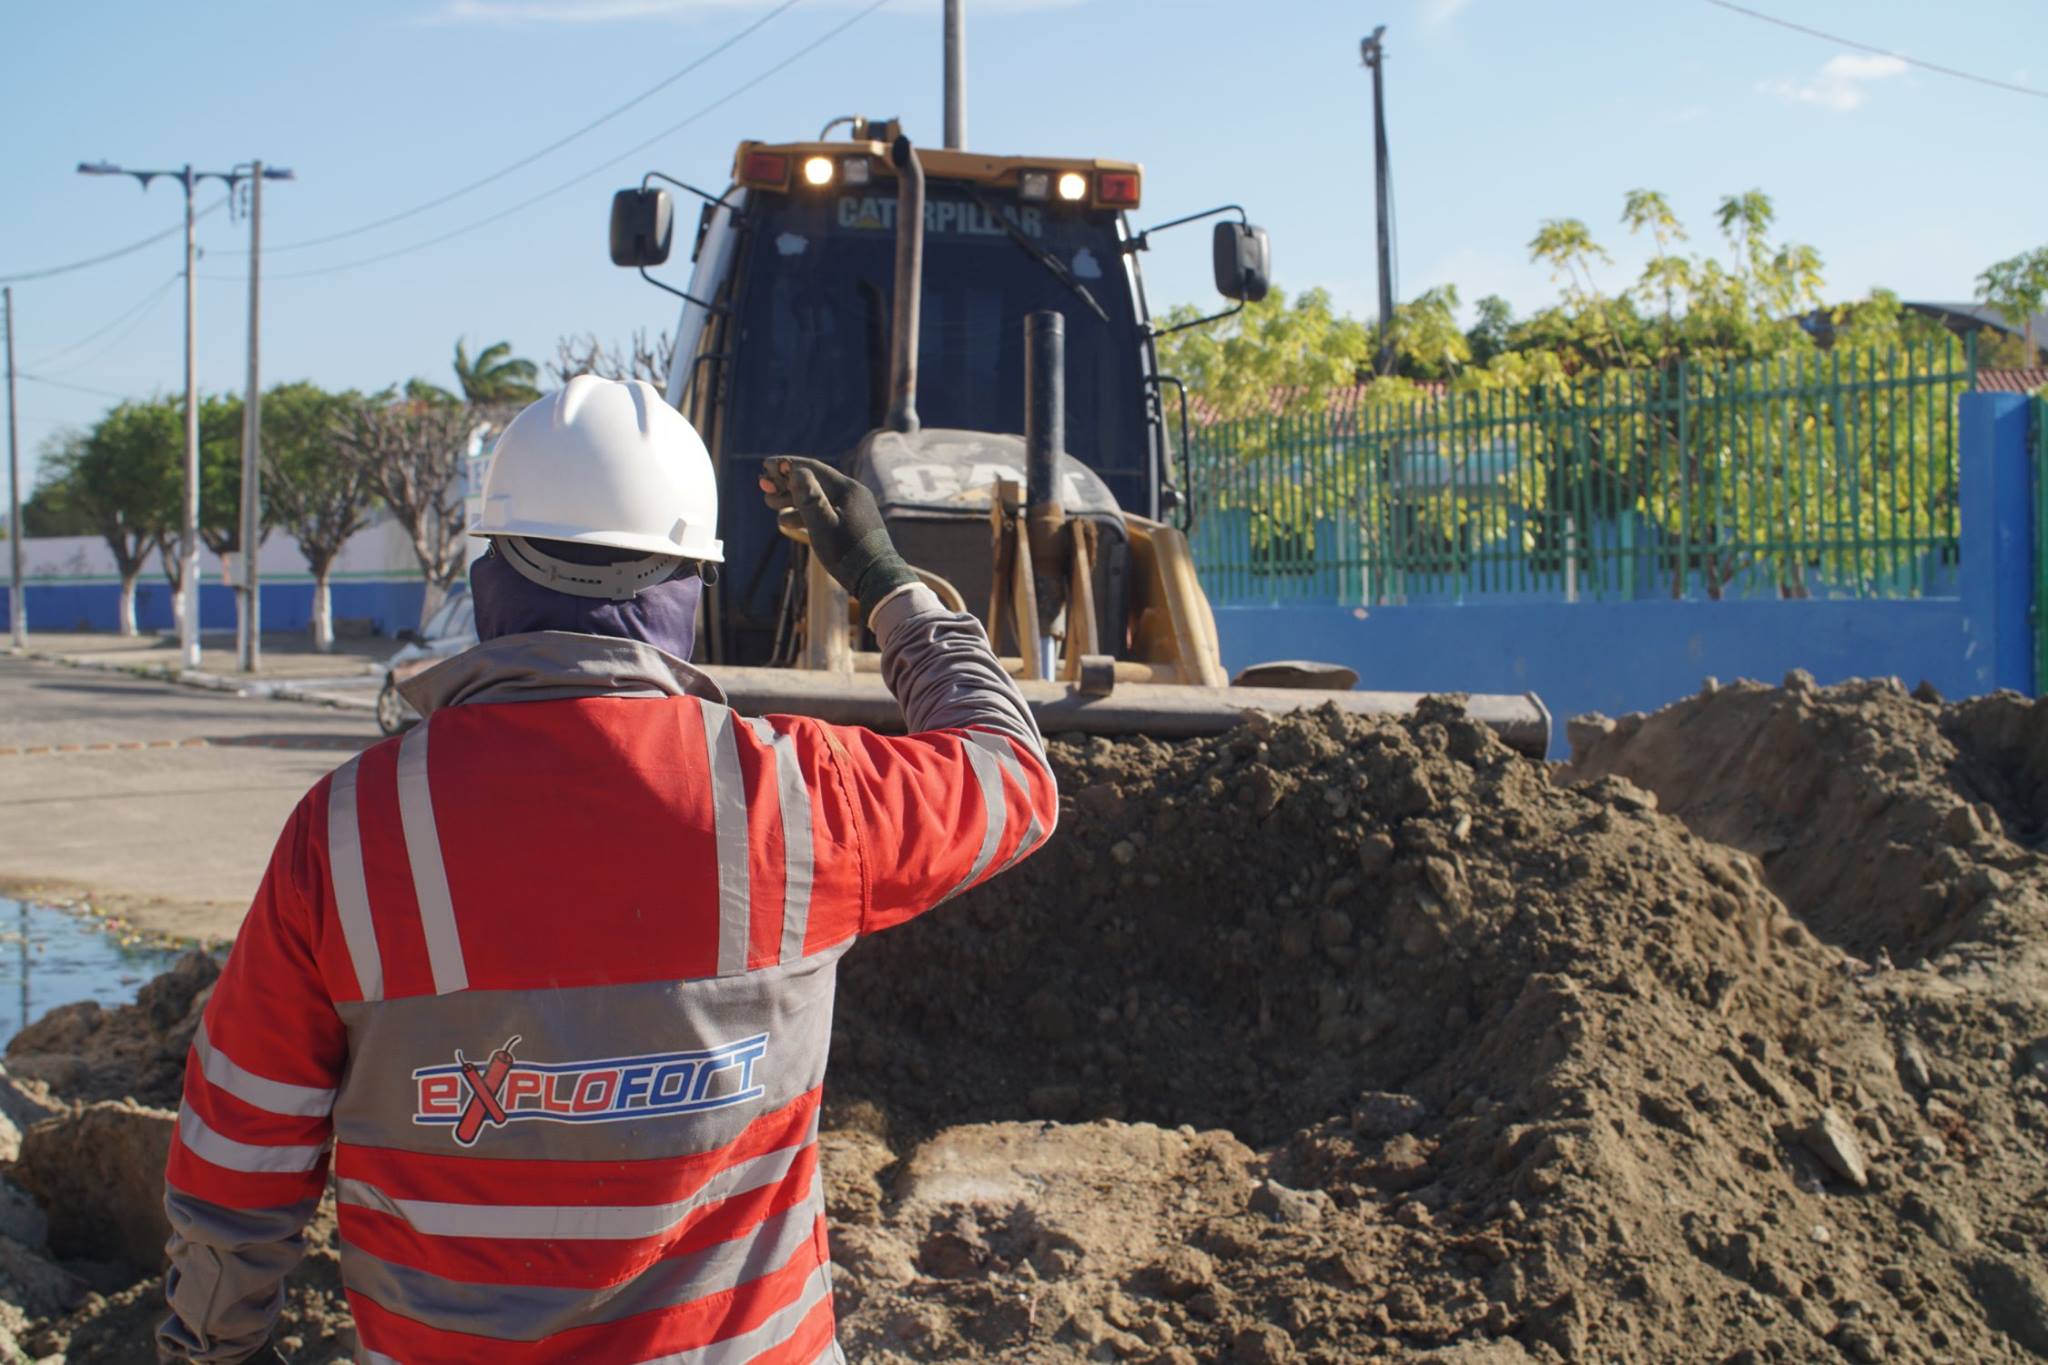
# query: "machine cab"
{"type": "Point", "coordinates": [783, 347]}
{"type": "Point", "coordinates": [787, 327]}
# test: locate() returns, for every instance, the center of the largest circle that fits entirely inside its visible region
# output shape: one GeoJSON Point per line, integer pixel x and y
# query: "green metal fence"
{"type": "Point", "coordinates": [1830, 474]}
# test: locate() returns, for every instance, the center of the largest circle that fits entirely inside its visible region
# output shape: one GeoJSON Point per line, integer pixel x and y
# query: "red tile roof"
{"type": "Point", "coordinates": [2011, 381]}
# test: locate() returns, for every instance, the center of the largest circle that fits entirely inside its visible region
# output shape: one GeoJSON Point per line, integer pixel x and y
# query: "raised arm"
{"type": "Point", "coordinates": [968, 792]}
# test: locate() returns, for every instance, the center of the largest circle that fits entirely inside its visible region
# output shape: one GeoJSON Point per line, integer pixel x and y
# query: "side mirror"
{"type": "Point", "coordinates": [1244, 262]}
{"type": "Point", "coordinates": [643, 221]}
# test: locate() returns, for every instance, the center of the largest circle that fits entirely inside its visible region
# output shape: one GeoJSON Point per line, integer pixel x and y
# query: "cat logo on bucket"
{"type": "Point", "coordinates": [506, 1089]}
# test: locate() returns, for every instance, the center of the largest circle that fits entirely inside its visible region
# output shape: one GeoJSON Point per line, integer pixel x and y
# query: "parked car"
{"type": "Point", "coordinates": [448, 631]}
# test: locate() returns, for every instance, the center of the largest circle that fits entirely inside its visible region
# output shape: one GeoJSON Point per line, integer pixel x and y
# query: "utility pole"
{"type": "Point", "coordinates": [251, 535]}
{"type": "Point", "coordinates": [956, 77]}
{"type": "Point", "coordinates": [1374, 54]}
{"type": "Point", "coordinates": [188, 536]}
{"type": "Point", "coordinates": [17, 600]}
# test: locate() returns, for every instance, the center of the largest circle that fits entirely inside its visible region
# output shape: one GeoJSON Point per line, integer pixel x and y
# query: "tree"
{"type": "Point", "coordinates": [50, 510]}
{"type": "Point", "coordinates": [1731, 422]}
{"type": "Point", "coordinates": [495, 377]}
{"type": "Point", "coordinates": [1488, 336]}
{"type": "Point", "coordinates": [123, 478]}
{"type": "Point", "coordinates": [1427, 342]}
{"type": "Point", "coordinates": [220, 473]}
{"type": "Point", "coordinates": [585, 354]}
{"type": "Point", "coordinates": [2017, 287]}
{"type": "Point", "coordinates": [411, 452]}
{"type": "Point", "coordinates": [312, 487]}
{"type": "Point", "coordinates": [1269, 349]}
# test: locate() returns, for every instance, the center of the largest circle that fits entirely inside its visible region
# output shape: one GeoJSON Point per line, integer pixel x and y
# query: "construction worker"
{"type": "Point", "coordinates": [549, 978]}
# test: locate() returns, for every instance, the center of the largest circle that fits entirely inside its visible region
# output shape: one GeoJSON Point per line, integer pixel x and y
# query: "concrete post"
{"type": "Point", "coordinates": [1998, 540]}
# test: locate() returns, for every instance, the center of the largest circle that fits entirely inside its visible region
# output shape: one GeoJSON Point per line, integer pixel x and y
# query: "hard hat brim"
{"type": "Point", "coordinates": [708, 551]}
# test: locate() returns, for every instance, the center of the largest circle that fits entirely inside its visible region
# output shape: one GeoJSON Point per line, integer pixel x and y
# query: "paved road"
{"type": "Point", "coordinates": [171, 819]}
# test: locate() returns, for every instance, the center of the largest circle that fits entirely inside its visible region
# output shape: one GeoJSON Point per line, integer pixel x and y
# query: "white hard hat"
{"type": "Point", "coordinates": [602, 462]}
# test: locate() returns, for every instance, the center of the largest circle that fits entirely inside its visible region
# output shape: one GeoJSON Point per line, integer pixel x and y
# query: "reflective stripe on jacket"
{"type": "Point", "coordinates": [550, 983]}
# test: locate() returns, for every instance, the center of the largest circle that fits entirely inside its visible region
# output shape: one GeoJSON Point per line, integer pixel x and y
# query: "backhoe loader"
{"type": "Point", "coordinates": [968, 334]}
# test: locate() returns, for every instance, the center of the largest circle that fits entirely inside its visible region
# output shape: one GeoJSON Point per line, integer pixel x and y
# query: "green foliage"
{"type": "Point", "coordinates": [1426, 339]}
{"type": "Point", "coordinates": [220, 472]}
{"type": "Point", "coordinates": [1488, 336]}
{"type": "Point", "coordinates": [495, 376]}
{"type": "Point", "coordinates": [123, 478]}
{"type": "Point", "coordinates": [311, 488]}
{"type": "Point", "coordinates": [1302, 350]}
{"type": "Point", "coordinates": [2017, 287]}
{"type": "Point", "coordinates": [49, 510]}
{"type": "Point", "coordinates": [1694, 404]}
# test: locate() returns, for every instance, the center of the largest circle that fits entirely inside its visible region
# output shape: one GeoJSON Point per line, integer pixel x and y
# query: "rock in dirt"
{"type": "Point", "coordinates": [1913, 1067]}
{"type": "Point", "coordinates": [99, 1175]}
{"type": "Point", "coordinates": [1834, 1142]}
{"type": "Point", "coordinates": [1262, 1344]}
{"type": "Point", "coordinates": [1301, 1207]}
{"type": "Point", "coordinates": [21, 1106]}
{"type": "Point", "coordinates": [1379, 1114]}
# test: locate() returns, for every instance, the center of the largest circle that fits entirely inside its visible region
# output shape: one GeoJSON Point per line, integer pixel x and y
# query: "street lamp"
{"type": "Point", "coordinates": [188, 539]}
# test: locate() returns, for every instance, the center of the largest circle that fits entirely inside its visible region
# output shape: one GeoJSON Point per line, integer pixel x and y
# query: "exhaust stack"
{"type": "Point", "coordinates": [1045, 441]}
{"type": "Point", "coordinates": [909, 286]}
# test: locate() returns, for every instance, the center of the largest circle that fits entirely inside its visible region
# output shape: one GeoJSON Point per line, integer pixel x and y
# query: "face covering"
{"type": "Point", "coordinates": [507, 603]}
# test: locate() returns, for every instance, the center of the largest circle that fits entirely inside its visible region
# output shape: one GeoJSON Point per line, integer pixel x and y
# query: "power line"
{"type": "Point", "coordinates": [75, 388]}
{"type": "Point", "coordinates": [1840, 41]}
{"type": "Point", "coordinates": [111, 255]}
{"type": "Point", "coordinates": [88, 339]}
{"type": "Point", "coordinates": [529, 159]}
{"type": "Point", "coordinates": [573, 181]}
{"type": "Point", "coordinates": [148, 310]}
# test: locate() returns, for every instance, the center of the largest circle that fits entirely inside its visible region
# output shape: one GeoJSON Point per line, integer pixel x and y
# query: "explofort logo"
{"type": "Point", "coordinates": [506, 1089]}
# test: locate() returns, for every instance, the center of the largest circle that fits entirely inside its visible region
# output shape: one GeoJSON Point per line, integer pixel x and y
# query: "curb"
{"type": "Point", "coordinates": [316, 691]}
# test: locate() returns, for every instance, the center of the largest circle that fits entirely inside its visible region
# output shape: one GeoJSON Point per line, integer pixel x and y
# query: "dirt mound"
{"type": "Point", "coordinates": [98, 1171]}
{"type": "Point", "coordinates": [1331, 1040]}
{"type": "Point", "coordinates": [1537, 1071]}
{"type": "Point", "coordinates": [1247, 933]}
{"type": "Point", "coordinates": [1888, 822]}
{"type": "Point", "coordinates": [83, 1053]}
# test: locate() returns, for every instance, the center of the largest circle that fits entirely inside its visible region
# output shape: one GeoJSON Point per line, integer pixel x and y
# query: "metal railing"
{"type": "Point", "coordinates": [1832, 474]}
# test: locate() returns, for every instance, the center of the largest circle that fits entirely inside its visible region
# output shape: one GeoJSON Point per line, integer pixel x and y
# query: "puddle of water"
{"type": "Point", "coordinates": [51, 957]}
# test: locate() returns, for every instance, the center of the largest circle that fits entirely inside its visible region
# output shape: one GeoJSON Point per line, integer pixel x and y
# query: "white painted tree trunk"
{"type": "Point", "coordinates": [124, 620]}
{"type": "Point", "coordinates": [323, 614]}
{"type": "Point", "coordinates": [430, 602]}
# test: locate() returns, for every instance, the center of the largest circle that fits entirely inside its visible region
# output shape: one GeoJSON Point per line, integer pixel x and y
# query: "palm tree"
{"type": "Point", "coordinates": [496, 376]}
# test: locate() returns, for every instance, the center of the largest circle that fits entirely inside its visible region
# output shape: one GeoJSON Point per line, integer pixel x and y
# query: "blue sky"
{"type": "Point", "coordinates": [1502, 113]}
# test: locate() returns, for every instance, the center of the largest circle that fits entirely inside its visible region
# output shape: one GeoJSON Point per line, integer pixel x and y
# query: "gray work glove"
{"type": "Point", "coordinates": [844, 524]}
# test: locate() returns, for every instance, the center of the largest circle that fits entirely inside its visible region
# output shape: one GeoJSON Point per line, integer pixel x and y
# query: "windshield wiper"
{"type": "Point", "coordinates": [1040, 254]}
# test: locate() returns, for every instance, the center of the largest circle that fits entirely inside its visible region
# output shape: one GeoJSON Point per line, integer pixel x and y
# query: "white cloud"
{"type": "Point", "coordinates": [1842, 82]}
{"type": "Point", "coordinates": [1436, 13]}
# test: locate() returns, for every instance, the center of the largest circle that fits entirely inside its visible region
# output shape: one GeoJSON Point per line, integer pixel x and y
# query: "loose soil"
{"type": "Point", "coordinates": [1331, 1040]}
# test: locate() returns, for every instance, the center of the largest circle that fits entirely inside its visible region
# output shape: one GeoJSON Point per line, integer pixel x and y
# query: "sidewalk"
{"type": "Point", "coordinates": [291, 668]}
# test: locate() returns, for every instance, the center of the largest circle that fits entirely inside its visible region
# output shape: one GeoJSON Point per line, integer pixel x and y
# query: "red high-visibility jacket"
{"type": "Point", "coordinates": [549, 982]}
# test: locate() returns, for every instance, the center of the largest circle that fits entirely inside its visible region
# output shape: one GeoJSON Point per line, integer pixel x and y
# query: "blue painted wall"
{"type": "Point", "coordinates": [390, 604]}
{"type": "Point", "coordinates": [1618, 657]}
